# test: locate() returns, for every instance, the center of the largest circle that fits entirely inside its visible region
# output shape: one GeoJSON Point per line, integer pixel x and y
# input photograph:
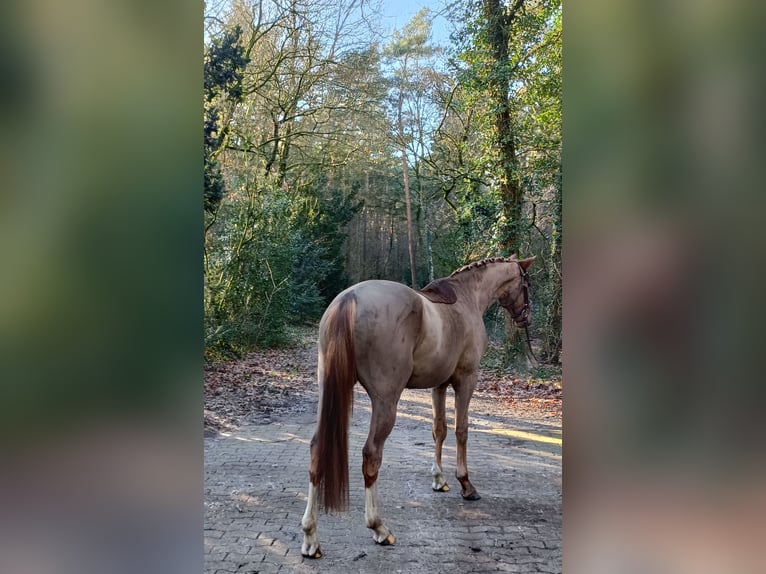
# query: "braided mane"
{"type": "Point", "coordinates": [484, 262]}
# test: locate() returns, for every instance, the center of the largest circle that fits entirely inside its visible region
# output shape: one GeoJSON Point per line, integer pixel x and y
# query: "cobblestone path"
{"type": "Point", "coordinates": [256, 478]}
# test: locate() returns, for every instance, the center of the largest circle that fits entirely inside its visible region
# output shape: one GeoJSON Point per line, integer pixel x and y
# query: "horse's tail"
{"type": "Point", "coordinates": [330, 463]}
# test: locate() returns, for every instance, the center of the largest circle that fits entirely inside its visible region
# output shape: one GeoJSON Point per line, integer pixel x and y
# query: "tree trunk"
{"type": "Point", "coordinates": [408, 205]}
{"type": "Point", "coordinates": [406, 178]}
{"type": "Point", "coordinates": [553, 331]}
{"type": "Point", "coordinates": [498, 34]}
{"type": "Point", "coordinates": [427, 242]}
{"type": "Point", "coordinates": [498, 30]}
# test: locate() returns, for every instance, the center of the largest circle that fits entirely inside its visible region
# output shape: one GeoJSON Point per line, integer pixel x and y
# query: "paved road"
{"type": "Point", "coordinates": [255, 493]}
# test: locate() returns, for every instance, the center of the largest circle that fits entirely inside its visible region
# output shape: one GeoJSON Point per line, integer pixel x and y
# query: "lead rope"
{"type": "Point", "coordinates": [529, 344]}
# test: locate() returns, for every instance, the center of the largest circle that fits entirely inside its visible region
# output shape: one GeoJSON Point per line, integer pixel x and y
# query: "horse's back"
{"type": "Point", "coordinates": [382, 303]}
{"type": "Point", "coordinates": [387, 326]}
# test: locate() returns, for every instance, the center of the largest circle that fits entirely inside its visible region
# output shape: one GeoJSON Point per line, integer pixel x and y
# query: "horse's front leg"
{"type": "Point", "coordinates": [439, 431]}
{"type": "Point", "coordinates": [383, 419]}
{"type": "Point", "coordinates": [463, 392]}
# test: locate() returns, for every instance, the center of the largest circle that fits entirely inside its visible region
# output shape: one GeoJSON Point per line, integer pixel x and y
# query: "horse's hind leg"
{"type": "Point", "coordinates": [383, 419]}
{"type": "Point", "coordinates": [310, 547]}
{"type": "Point", "coordinates": [439, 431]}
{"type": "Point", "coordinates": [463, 392]}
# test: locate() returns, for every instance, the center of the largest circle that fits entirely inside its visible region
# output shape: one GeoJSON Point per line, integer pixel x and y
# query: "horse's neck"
{"type": "Point", "coordinates": [482, 285]}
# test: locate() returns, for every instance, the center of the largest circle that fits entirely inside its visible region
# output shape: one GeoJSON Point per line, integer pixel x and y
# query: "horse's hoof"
{"type": "Point", "coordinates": [443, 488]}
{"type": "Point", "coordinates": [472, 496]}
{"type": "Point", "coordinates": [388, 540]}
{"type": "Point", "coordinates": [317, 554]}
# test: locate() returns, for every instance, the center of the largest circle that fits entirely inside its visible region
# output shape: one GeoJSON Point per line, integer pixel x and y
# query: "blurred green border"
{"type": "Point", "coordinates": [100, 212]}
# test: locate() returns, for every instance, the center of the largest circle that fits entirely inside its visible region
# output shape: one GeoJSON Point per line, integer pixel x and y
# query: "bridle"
{"type": "Point", "coordinates": [521, 316]}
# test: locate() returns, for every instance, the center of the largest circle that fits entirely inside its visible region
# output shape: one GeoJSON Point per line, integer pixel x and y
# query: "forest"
{"type": "Point", "coordinates": [336, 151]}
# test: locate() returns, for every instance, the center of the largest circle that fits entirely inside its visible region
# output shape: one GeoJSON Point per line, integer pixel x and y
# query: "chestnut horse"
{"type": "Point", "coordinates": [390, 337]}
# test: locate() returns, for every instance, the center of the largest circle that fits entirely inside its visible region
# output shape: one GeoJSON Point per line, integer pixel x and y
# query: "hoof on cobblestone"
{"type": "Point", "coordinates": [387, 541]}
{"type": "Point", "coordinates": [443, 488]}
{"type": "Point", "coordinates": [317, 554]}
{"type": "Point", "coordinates": [472, 496]}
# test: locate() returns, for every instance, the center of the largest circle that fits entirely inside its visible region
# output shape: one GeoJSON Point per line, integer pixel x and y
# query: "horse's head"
{"type": "Point", "coordinates": [515, 299]}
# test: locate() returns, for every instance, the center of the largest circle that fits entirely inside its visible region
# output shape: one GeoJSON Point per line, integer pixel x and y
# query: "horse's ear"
{"type": "Point", "coordinates": [525, 263]}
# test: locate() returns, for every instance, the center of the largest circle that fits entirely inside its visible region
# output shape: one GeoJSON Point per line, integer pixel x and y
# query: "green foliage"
{"type": "Point", "coordinates": [225, 62]}
{"type": "Point", "coordinates": [214, 186]}
{"type": "Point", "coordinates": [223, 73]}
{"type": "Point", "coordinates": [493, 357]}
{"type": "Point", "coordinates": [319, 268]}
{"type": "Point", "coordinates": [412, 39]}
{"type": "Point", "coordinates": [274, 258]}
{"type": "Point", "coordinates": [310, 267]}
{"type": "Point", "coordinates": [280, 125]}
{"type": "Point", "coordinates": [248, 265]}
{"type": "Point", "coordinates": [510, 62]}
{"type": "Point", "coordinates": [305, 126]}
{"type": "Point", "coordinates": [542, 374]}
